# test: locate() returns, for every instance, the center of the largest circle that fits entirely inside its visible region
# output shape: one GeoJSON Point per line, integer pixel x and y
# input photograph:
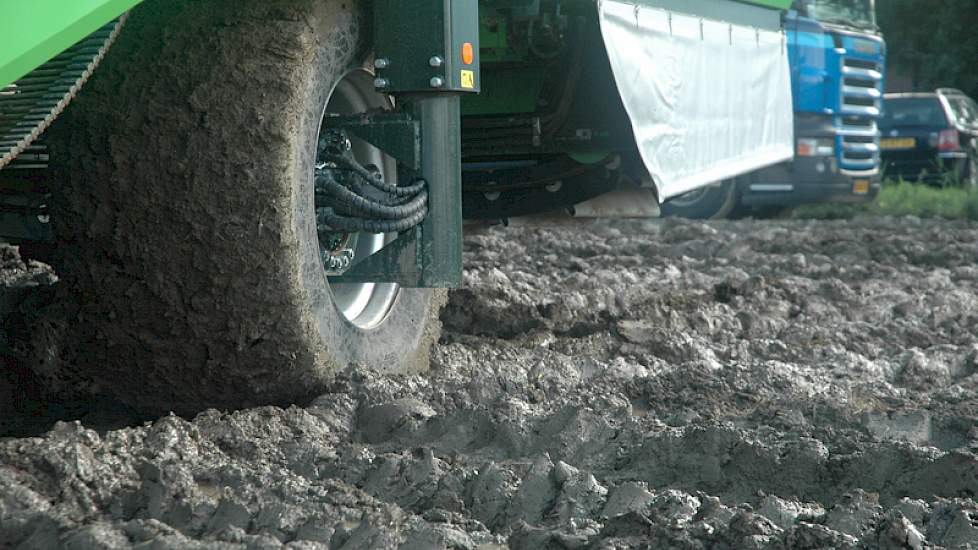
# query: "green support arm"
{"type": "Point", "coordinates": [33, 32]}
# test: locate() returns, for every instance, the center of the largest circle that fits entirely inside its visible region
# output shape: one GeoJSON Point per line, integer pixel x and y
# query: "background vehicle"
{"type": "Point", "coordinates": [250, 196]}
{"type": "Point", "coordinates": [931, 136]}
{"type": "Point", "coordinates": [837, 73]}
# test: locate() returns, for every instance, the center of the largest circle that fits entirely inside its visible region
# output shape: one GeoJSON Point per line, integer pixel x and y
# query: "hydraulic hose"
{"type": "Point", "coordinates": [352, 198]}
{"type": "Point", "coordinates": [364, 207]}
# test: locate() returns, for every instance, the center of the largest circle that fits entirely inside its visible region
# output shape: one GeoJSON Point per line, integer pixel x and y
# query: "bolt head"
{"type": "Point", "coordinates": [436, 61]}
{"type": "Point", "coordinates": [381, 83]}
{"type": "Point", "coordinates": [437, 82]}
{"type": "Point", "coordinates": [382, 63]}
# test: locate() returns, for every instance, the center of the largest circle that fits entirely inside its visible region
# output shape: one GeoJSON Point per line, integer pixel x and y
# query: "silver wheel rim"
{"type": "Point", "coordinates": [364, 305]}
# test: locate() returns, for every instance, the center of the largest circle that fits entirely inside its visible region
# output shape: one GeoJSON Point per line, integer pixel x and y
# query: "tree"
{"type": "Point", "coordinates": [935, 42]}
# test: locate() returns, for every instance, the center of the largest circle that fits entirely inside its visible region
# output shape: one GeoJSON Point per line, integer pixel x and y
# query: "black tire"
{"type": "Point", "coordinates": [713, 202]}
{"type": "Point", "coordinates": [971, 180]}
{"type": "Point", "coordinates": [188, 218]}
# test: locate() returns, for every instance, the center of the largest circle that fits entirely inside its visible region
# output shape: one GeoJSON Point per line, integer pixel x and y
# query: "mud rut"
{"type": "Point", "coordinates": [625, 385]}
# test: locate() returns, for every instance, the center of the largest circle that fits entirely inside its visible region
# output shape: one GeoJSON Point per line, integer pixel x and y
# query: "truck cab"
{"type": "Point", "coordinates": [837, 57]}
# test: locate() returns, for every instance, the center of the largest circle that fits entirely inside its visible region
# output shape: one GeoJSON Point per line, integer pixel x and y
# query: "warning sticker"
{"type": "Point", "coordinates": [468, 79]}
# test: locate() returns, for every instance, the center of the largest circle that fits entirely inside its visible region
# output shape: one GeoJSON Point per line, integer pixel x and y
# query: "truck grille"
{"type": "Point", "coordinates": [862, 97]}
{"type": "Point", "coordinates": [858, 144]}
{"type": "Point", "coordinates": [862, 92]}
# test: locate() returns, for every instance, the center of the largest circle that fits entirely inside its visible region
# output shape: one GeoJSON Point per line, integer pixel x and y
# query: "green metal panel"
{"type": "Point", "coordinates": [505, 90]}
{"type": "Point", "coordinates": [34, 31]}
{"type": "Point", "coordinates": [419, 48]}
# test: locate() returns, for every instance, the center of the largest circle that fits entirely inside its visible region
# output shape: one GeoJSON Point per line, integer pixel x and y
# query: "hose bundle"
{"type": "Point", "coordinates": [359, 200]}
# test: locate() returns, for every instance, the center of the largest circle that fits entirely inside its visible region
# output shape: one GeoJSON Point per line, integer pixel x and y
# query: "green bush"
{"type": "Point", "coordinates": [904, 199]}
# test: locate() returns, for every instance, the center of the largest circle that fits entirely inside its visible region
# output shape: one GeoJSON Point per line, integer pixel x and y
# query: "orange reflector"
{"type": "Point", "coordinates": [468, 53]}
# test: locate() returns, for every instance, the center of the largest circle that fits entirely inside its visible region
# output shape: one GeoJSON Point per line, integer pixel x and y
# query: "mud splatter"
{"type": "Point", "coordinates": [781, 384]}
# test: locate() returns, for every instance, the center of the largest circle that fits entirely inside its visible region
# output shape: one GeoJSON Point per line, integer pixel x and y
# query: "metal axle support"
{"type": "Point", "coordinates": [397, 134]}
{"type": "Point", "coordinates": [427, 57]}
{"type": "Point", "coordinates": [425, 139]}
{"type": "Point", "coordinates": [441, 166]}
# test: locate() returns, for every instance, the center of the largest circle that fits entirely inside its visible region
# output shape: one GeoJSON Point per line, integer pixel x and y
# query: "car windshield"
{"type": "Point", "coordinates": [857, 13]}
{"type": "Point", "coordinates": [913, 111]}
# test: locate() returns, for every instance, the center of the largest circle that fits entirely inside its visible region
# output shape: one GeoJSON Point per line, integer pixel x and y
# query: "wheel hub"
{"type": "Point", "coordinates": [365, 305]}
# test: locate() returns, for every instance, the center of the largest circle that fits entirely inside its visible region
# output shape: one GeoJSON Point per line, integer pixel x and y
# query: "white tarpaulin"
{"type": "Point", "coordinates": [707, 100]}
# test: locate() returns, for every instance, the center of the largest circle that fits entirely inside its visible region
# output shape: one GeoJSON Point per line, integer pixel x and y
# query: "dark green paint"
{"type": "Point", "coordinates": [505, 90]}
{"type": "Point", "coordinates": [397, 134]}
{"type": "Point", "coordinates": [430, 255]}
{"type": "Point", "coordinates": [441, 167]}
{"type": "Point", "coordinates": [408, 39]}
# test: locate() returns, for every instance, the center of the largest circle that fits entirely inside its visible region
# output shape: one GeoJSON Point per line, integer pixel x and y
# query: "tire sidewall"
{"type": "Point", "coordinates": [715, 203]}
{"type": "Point", "coordinates": [400, 342]}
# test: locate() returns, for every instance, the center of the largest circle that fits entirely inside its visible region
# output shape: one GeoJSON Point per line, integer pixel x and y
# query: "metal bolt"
{"type": "Point", "coordinates": [382, 63]}
{"type": "Point", "coordinates": [337, 261]}
{"type": "Point", "coordinates": [437, 82]}
{"type": "Point", "coordinates": [436, 61]}
{"type": "Point", "coordinates": [381, 83]}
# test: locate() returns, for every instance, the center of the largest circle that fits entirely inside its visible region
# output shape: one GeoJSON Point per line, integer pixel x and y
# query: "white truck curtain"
{"type": "Point", "coordinates": [707, 100]}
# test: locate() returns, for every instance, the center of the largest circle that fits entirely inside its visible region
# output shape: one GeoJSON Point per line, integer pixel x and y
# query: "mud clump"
{"type": "Point", "coordinates": [671, 384]}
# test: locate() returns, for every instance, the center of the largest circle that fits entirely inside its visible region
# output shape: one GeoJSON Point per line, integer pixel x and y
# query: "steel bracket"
{"type": "Point", "coordinates": [425, 138]}
{"type": "Point", "coordinates": [430, 46]}
{"type": "Point", "coordinates": [397, 134]}
{"type": "Point", "coordinates": [397, 262]}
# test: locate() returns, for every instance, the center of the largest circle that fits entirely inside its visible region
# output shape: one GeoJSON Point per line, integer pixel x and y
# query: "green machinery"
{"type": "Point", "coordinates": [338, 194]}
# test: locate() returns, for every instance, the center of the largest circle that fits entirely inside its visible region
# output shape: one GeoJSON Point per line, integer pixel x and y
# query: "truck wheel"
{"type": "Point", "coordinates": [713, 202]}
{"type": "Point", "coordinates": [188, 211]}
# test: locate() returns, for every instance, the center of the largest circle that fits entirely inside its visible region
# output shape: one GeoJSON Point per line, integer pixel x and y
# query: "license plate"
{"type": "Point", "coordinates": [898, 143]}
{"type": "Point", "coordinates": [860, 187]}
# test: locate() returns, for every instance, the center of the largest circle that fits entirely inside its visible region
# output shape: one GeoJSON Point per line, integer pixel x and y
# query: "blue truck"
{"type": "Point", "coordinates": [837, 56]}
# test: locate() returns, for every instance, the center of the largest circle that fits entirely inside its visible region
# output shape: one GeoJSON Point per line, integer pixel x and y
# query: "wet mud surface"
{"type": "Point", "coordinates": [674, 384]}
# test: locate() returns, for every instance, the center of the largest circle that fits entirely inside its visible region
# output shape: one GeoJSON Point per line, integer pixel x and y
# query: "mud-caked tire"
{"type": "Point", "coordinates": [187, 218]}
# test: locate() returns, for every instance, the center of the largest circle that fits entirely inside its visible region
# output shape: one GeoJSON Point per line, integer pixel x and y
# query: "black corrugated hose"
{"type": "Point", "coordinates": [361, 201]}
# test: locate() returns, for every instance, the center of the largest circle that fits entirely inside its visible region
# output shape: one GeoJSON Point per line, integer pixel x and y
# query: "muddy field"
{"type": "Point", "coordinates": [782, 384]}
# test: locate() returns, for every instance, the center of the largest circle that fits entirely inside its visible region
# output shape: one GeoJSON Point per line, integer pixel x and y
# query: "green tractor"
{"type": "Point", "coordinates": [248, 196]}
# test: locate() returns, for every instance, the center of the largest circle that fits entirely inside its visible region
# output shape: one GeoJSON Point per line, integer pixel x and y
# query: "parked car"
{"type": "Point", "coordinates": [930, 136]}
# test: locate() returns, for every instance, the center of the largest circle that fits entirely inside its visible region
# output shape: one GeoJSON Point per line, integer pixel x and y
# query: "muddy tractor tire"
{"type": "Point", "coordinates": [187, 214]}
